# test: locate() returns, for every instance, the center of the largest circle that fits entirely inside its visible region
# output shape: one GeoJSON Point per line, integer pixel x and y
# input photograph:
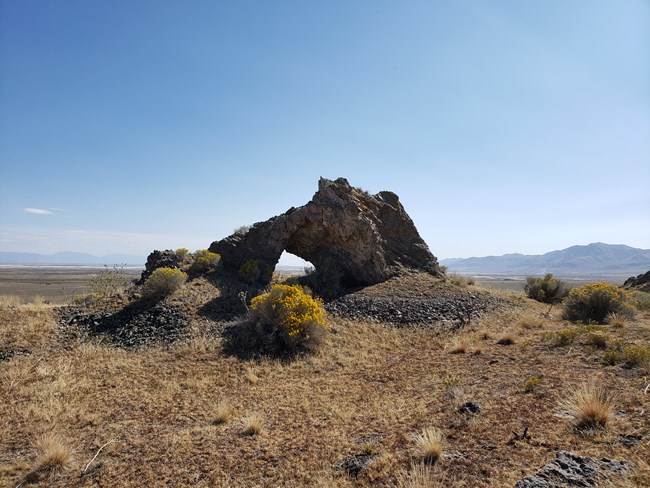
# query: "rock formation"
{"type": "Point", "coordinates": [368, 238]}
{"type": "Point", "coordinates": [639, 283]}
{"type": "Point", "coordinates": [569, 469]}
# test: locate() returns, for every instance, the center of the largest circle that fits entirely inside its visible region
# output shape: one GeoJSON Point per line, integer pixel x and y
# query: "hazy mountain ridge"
{"type": "Point", "coordinates": [597, 259]}
{"type": "Point", "coordinates": [68, 257]}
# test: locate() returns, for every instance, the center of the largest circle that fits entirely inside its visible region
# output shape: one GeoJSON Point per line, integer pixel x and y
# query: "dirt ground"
{"type": "Point", "coordinates": [81, 412]}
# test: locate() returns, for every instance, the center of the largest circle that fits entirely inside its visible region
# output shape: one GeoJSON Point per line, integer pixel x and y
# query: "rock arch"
{"type": "Point", "coordinates": [369, 238]}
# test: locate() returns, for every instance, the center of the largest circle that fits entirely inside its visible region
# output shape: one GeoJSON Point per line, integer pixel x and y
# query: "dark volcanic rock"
{"type": "Point", "coordinates": [470, 407]}
{"type": "Point", "coordinates": [140, 323]}
{"type": "Point", "coordinates": [641, 282]}
{"type": "Point", "coordinates": [159, 259]}
{"type": "Point", "coordinates": [355, 463]}
{"type": "Point", "coordinates": [369, 238]}
{"type": "Point", "coordinates": [569, 469]}
{"type": "Point", "coordinates": [410, 311]}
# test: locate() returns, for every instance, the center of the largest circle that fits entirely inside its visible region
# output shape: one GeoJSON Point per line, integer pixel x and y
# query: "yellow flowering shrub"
{"type": "Point", "coordinates": [205, 260]}
{"type": "Point", "coordinates": [595, 301]}
{"type": "Point", "coordinates": [163, 281]}
{"type": "Point", "coordinates": [290, 316]}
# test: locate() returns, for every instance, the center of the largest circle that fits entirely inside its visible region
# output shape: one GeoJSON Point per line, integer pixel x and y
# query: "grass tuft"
{"type": "Point", "coordinates": [222, 413]}
{"type": "Point", "coordinates": [459, 347]}
{"type": "Point", "coordinates": [428, 444]}
{"type": "Point", "coordinates": [252, 425]}
{"type": "Point", "coordinates": [506, 340]}
{"type": "Point", "coordinates": [54, 454]}
{"type": "Point", "coordinates": [591, 407]}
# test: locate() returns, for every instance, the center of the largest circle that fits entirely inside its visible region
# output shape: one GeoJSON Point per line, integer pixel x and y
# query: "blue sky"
{"type": "Point", "coordinates": [504, 126]}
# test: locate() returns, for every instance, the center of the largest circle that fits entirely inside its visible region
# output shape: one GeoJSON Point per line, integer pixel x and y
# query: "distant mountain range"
{"type": "Point", "coordinates": [596, 259]}
{"type": "Point", "coordinates": [69, 258]}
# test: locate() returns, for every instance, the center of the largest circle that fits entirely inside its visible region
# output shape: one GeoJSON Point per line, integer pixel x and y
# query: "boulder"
{"type": "Point", "coordinates": [569, 469]}
{"type": "Point", "coordinates": [640, 283]}
{"type": "Point", "coordinates": [367, 238]}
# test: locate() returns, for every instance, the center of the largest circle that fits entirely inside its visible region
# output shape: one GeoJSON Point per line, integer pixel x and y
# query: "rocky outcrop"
{"type": "Point", "coordinates": [640, 283]}
{"type": "Point", "coordinates": [569, 469]}
{"type": "Point", "coordinates": [159, 259]}
{"type": "Point", "coordinates": [369, 238]}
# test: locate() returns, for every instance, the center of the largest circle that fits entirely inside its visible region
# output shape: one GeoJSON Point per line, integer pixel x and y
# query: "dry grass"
{"type": "Point", "coordinates": [420, 475]}
{"type": "Point", "coordinates": [7, 301]}
{"type": "Point", "coordinates": [366, 390]}
{"type": "Point", "coordinates": [252, 425]}
{"type": "Point", "coordinates": [223, 412]}
{"type": "Point", "coordinates": [459, 347]}
{"type": "Point", "coordinates": [429, 445]}
{"type": "Point", "coordinates": [591, 406]}
{"type": "Point", "coordinates": [617, 320]}
{"type": "Point", "coordinates": [507, 339]}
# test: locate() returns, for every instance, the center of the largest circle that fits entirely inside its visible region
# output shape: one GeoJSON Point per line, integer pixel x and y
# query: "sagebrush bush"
{"type": "Point", "coordinates": [546, 290]}
{"type": "Point", "coordinates": [641, 299]}
{"type": "Point", "coordinates": [108, 282]}
{"type": "Point", "coordinates": [204, 261]}
{"type": "Point", "coordinates": [595, 301]}
{"type": "Point", "coordinates": [163, 281]}
{"type": "Point", "coordinates": [289, 319]}
{"type": "Point", "coordinates": [181, 253]}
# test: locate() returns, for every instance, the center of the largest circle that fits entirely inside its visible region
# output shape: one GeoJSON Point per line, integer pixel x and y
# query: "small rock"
{"type": "Point", "coordinates": [470, 407]}
{"type": "Point", "coordinates": [569, 469]}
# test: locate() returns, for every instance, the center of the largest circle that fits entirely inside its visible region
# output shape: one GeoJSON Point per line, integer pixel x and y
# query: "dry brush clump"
{"type": "Point", "coordinates": [252, 424]}
{"type": "Point", "coordinates": [429, 445]}
{"type": "Point", "coordinates": [596, 301]}
{"type": "Point", "coordinates": [53, 456]}
{"type": "Point", "coordinates": [591, 407]}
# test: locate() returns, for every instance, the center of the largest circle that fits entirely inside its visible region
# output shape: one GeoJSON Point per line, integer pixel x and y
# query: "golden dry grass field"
{"type": "Point", "coordinates": [82, 413]}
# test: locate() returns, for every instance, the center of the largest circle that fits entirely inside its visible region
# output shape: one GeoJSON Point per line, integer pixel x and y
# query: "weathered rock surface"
{"type": "Point", "coordinates": [368, 237]}
{"type": "Point", "coordinates": [641, 282]}
{"type": "Point", "coordinates": [569, 469]}
{"type": "Point", "coordinates": [141, 323]}
{"type": "Point", "coordinates": [159, 259]}
{"type": "Point", "coordinates": [411, 311]}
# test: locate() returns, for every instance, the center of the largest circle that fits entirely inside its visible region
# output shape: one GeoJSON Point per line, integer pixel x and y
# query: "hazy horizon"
{"type": "Point", "coordinates": [503, 126]}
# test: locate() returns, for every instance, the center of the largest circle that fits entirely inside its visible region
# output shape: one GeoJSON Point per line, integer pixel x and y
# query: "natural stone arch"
{"type": "Point", "coordinates": [368, 238]}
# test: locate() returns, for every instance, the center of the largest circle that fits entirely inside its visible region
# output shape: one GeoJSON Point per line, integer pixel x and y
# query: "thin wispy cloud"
{"type": "Point", "coordinates": [38, 211]}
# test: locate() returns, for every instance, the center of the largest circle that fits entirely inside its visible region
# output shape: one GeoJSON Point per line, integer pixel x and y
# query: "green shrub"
{"type": "Point", "coordinates": [636, 355]}
{"type": "Point", "coordinates": [204, 261]}
{"type": "Point", "coordinates": [255, 271]}
{"type": "Point", "coordinates": [641, 300]}
{"type": "Point", "coordinates": [546, 290]}
{"type": "Point", "coordinates": [598, 339]}
{"type": "Point", "coordinates": [564, 337]}
{"type": "Point", "coordinates": [595, 301]}
{"type": "Point", "coordinates": [531, 384]}
{"type": "Point", "coordinates": [163, 281]}
{"type": "Point", "coordinates": [181, 253]}
{"type": "Point", "coordinates": [288, 319]}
